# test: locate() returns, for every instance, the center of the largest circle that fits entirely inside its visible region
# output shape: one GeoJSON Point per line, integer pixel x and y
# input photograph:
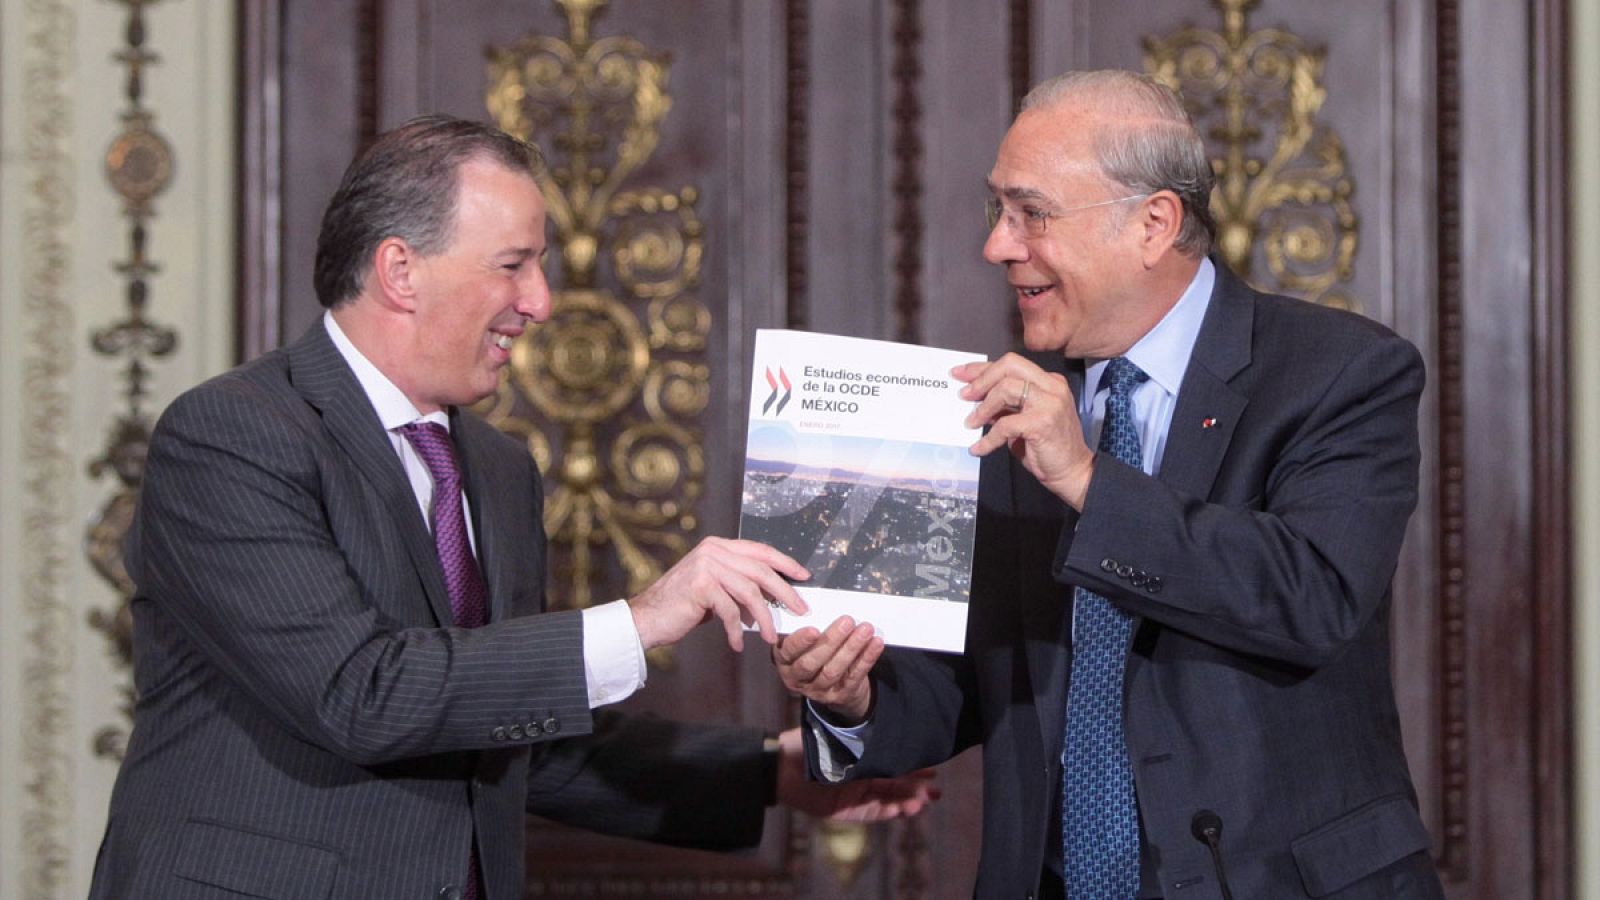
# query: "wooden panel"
{"type": "Point", "coordinates": [966, 101]}
{"type": "Point", "coordinates": [1512, 632]}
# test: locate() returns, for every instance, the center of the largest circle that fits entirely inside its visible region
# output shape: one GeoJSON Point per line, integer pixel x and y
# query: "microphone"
{"type": "Point", "coordinates": [1206, 826]}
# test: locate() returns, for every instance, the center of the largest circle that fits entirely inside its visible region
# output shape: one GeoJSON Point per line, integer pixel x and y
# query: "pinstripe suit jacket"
{"type": "Point", "coordinates": [306, 727]}
{"type": "Point", "coordinates": [1257, 566]}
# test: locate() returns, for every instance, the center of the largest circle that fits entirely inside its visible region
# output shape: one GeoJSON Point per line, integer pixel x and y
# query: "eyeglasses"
{"type": "Point", "coordinates": [1031, 221]}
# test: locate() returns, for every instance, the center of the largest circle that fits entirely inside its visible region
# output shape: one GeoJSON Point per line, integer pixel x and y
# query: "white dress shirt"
{"type": "Point", "coordinates": [613, 658]}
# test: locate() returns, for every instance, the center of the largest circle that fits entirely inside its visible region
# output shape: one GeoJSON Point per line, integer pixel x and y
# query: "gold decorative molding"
{"type": "Point", "coordinates": [139, 167]}
{"type": "Point", "coordinates": [45, 205]}
{"type": "Point", "coordinates": [1283, 185]}
{"type": "Point", "coordinates": [846, 848]}
{"type": "Point", "coordinates": [609, 392]}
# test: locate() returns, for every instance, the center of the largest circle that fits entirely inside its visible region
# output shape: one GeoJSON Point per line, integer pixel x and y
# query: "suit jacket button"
{"type": "Point", "coordinates": [1153, 585]}
{"type": "Point", "coordinates": [1124, 570]}
{"type": "Point", "coordinates": [499, 733]}
{"type": "Point", "coordinates": [1139, 578]}
{"type": "Point", "coordinates": [1108, 565]}
{"type": "Point", "coordinates": [515, 732]}
{"type": "Point", "coordinates": [534, 729]}
{"type": "Point", "coordinates": [551, 726]}
{"type": "Point", "coordinates": [449, 892]}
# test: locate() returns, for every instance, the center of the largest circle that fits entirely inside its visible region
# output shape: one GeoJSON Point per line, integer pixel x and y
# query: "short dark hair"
{"type": "Point", "coordinates": [1163, 152]}
{"type": "Point", "coordinates": [405, 185]}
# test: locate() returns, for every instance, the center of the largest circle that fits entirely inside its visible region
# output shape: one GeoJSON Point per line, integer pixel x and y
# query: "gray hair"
{"type": "Point", "coordinates": [1158, 150]}
{"type": "Point", "coordinates": [405, 185]}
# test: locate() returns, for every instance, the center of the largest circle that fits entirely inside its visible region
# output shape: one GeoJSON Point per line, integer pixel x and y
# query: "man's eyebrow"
{"type": "Point", "coordinates": [1015, 193]}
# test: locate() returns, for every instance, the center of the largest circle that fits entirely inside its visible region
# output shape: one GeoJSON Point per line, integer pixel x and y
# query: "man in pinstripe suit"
{"type": "Point", "coordinates": [312, 721]}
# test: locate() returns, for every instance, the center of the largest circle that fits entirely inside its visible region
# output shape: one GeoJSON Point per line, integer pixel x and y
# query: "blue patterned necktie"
{"type": "Point", "coordinates": [1099, 821]}
{"type": "Point", "coordinates": [469, 594]}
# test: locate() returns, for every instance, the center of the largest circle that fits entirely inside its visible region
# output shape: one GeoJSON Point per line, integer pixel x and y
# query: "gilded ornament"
{"type": "Point", "coordinates": [1283, 187]}
{"type": "Point", "coordinates": [139, 166]}
{"type": "Point", "coordinates": [609, 392]}
{"type": "Point", "coordinates": [846, 846]}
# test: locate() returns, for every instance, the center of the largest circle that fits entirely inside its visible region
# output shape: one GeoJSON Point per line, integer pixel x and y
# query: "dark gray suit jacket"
{"type": "Point", "coordinates": [306, 728]}
{"type": "Point", "coordinates": [1258, 564]}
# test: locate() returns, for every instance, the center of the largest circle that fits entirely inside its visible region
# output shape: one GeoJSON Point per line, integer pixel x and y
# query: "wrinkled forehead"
{"type": "Point", "coordinates": [1047, 153]}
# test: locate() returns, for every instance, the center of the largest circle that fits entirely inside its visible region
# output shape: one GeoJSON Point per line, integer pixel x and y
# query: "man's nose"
{"type": "Point", "coordinates": [533, 298]}
{"type": "Point", "coordinates": [1003, 246]}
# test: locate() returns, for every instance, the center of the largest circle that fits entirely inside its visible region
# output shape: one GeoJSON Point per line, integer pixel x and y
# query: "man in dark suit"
{"type": "Point", "coordinates": [344, 688]}
{"type": "Point", "coordinates": [1177, 656]}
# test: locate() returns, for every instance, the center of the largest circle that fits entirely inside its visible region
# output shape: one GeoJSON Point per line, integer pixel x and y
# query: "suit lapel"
{"type": "Point", "coordinates": [1208, 409]}
{"type": "Point", "coordinates": [322, 376]}
{"type": "Point", "coordinates": [485, 502]}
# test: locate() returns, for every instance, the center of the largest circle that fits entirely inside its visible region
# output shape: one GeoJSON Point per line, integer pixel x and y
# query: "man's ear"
{"type": "Point", "coordinates": [394, 274]}
{"type": "Point", "coordinates": [1160, 219]}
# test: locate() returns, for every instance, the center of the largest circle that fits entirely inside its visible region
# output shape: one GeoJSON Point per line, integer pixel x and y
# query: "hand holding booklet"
{"type": "Point", "coordinates": [856, 465]}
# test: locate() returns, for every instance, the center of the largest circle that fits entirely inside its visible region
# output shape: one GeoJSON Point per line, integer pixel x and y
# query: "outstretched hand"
{"type": "Point", "coordinates": [830, 667]}
{"type": "Point", "coordinates": [868, 800]}
{"type": "Point", "coordinates": [729, 580]}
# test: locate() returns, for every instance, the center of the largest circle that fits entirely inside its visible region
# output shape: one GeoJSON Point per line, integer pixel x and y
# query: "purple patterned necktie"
{"type": "Point", "coordinates": [1099, 822]}
{"type": "Point", "coordinates": [469, 595]}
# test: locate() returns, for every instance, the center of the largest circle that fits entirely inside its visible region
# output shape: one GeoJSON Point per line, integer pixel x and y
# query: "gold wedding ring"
{"type": "Point", "coordinates": [1022, 399]}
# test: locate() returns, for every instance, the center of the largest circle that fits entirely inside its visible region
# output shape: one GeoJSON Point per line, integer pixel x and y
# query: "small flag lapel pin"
{"type": "Point", "coordinates": [1208, 422]}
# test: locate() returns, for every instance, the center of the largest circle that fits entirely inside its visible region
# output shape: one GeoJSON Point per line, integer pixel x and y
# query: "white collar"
{"type": "Point", "coordinates": [394, 409]}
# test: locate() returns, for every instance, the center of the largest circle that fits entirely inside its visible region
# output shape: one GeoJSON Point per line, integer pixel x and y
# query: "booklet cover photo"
{"type": "Point", "coordinates": [856, 465]}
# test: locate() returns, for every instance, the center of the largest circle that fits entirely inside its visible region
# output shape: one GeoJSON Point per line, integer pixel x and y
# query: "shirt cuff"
{"type": "Point", "coordinates": [838, 748]}
{"type": "Point", "coordinates": [613, 658]}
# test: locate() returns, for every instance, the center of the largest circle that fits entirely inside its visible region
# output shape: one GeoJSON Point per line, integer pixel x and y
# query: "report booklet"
{"type": "Point", "coordinates": [856, 465]}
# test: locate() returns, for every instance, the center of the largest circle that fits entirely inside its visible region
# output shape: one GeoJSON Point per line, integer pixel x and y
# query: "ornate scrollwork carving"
{"type": "Point", "coordinates": [139, 167]}
{"type": "Point", "coordinates": [1283, 188]}
{"type": "Point", "coordinates": [622, 380]}
{"type": "Point", "coordinates": [44, 207]}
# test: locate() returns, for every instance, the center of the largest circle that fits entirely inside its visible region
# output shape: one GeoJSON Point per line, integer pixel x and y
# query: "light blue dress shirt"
{"type": "Point", "coordinates": [1163, 353]}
